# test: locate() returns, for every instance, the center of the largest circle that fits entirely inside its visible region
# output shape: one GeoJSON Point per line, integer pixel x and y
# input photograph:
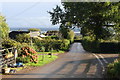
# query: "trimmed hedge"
{"type": "Point", "coordinates": [91, 46]}
{"type": "Point", "coordinates": [108, 47]}
{"type": "Point", "coordinates": [100, 47]}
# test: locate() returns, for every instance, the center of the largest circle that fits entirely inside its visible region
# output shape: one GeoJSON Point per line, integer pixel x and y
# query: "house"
{"type": "Point", "coordinates": [34, 33]}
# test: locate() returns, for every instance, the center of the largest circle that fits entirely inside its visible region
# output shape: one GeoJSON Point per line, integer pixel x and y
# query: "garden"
{"type": "Point", "coordinates": [41, 52]}
{"type": "Point", "coordinates": [38, 53]}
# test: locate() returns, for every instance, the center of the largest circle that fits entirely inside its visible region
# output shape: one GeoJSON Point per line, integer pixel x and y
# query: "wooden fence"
{"type": "Point", "coordinates": [6, 61]}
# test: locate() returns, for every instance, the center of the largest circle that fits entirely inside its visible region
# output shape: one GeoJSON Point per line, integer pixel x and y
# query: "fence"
{"type": "Point", "coordinates": [6, 61]}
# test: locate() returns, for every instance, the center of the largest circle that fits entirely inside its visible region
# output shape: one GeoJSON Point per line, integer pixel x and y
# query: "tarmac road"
{"type": "Point", "coordinates": [77, 63]}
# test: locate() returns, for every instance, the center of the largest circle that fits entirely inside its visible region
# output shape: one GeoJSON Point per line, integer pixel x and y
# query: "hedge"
{"type": "Point", "coordinates": [108, 47]}
{"type": "Point", "coordinates": [100, 47]}
{"type": "Point", "coordinates": [91, 46]}
{"type": "Point", "coordinates": [50, 44]}
{"type": "Point", "coordinates": [113, 70]}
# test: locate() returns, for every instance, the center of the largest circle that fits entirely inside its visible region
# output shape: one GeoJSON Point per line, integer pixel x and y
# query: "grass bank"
{"type": "Point", "coordinates": [53, 52]}
{"type": "Point", "coordinates": [43, 59]}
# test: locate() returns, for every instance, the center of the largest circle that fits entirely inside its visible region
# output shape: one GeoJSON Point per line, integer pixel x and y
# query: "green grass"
{"type": "Point", "coordinates": [41, 62]}
{"type": "Point", "coordinates": [53, 52]}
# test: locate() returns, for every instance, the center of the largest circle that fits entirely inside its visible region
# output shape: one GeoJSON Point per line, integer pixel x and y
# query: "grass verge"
{"type": "Point", "coordinates": [42, 61]}
{"type": "Point", "coordinates": [53, 52]}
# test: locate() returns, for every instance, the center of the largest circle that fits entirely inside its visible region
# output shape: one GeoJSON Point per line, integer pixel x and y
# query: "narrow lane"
{"type": "Point", "coordinates": [77, 63]}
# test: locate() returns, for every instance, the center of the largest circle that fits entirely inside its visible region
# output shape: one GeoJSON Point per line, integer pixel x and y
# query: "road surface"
{"type": "Point", "coordinates": [77, 63]}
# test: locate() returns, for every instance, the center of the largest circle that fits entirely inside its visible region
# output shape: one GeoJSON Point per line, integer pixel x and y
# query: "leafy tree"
{"type": "Point", "coordinates": [71, 35]}
{"type": "Point", "coordinates": [67, 33]}
{"type": "Point", "coordinates": [4, 29]}
{"type": "Point", "coordinates": [34, 29]}
{"type": "Point", "coordinates": [94, 18]}
{"type": "Point", "coordinates": [64, 31]}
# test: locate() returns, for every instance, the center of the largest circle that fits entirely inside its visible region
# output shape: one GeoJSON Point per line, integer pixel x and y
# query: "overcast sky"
{"type": "Point", "coordinates": [28, 14]}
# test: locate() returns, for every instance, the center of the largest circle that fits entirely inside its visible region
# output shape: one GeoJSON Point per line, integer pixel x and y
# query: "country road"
{"type": "Point", "coordinates": [77, 63]}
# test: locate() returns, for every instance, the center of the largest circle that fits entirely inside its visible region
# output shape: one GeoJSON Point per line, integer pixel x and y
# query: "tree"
{"type": "Point", "coordinates": [67, 33]}
{"type": "Point", "coordinates": [71, 35]}
{"type": "Point", "coordinates": [33, 29]}
{"type": "Point", "coordinates": [4, 29]}
{"type": "Point", "coordinates": [94, 18]}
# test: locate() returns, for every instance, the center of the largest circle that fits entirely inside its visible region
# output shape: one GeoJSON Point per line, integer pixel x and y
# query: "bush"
{"type": "Point", "coordinates": [110, 47]}
{"type": "Point", "coordinates": [78, 37]}
{"type": "Point", "coordinates": [55, 37]}
{"type": "Point", "coordinates": [23, 38]}
{"type": "Point", "coordinates": [27, 55]}
{"type": "Point", "coordinates": [52, 44]}
{"type": "Point", "coordinates": [91, 45]}
{"type": "Point", "coordinates": [51, 37]}
{"type": "Point", "coordinates": [113, 69]}
{"type": "Point", "coordinates": [7, 43]}
{"type": "Point", "coordinates": [65, 45]}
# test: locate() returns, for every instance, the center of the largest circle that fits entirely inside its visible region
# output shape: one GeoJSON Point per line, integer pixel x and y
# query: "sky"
{"type": "Point", "coordinates": [28, 14]}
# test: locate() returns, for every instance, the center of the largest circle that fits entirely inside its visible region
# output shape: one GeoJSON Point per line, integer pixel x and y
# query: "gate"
{"type": "Point", "coordinates": [6, 61]}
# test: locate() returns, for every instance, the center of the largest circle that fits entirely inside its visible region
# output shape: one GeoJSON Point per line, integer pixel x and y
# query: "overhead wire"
{"type": "Point", "coordinates": [20, 13]}
{"type": "Point", "coordinates": [24, 10]}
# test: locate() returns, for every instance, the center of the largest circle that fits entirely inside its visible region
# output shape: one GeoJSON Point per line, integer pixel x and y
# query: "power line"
{"type": "Point", "coordinates": [24, 10]}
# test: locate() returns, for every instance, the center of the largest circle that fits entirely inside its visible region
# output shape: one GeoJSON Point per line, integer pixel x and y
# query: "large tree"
{"type": "Point", "coordinates": [93, 17]}
{"type": "Point", "coordinates": [4, 29]}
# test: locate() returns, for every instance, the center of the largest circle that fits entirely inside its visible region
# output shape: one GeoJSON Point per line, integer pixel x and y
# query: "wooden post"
{"type": "Point", "coordinates": [31, 41]}
{"type": "Point", "coordinates": [15, 54]}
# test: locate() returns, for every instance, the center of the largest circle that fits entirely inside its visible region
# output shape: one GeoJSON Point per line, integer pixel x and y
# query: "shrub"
{"type": "Point", "coordinates": [113, 69]}
{"type": "Point", "coordinates": [90, 44]}
{"type": "Point", "coordinates": [23, 38]}
{"type": "Point", "coordinates": [110, 47]}
{"type": "Point", "coordinates": [52, 44]}
{"type": "Point", "coordinates": [78, 37]}
{"type": "Point", "coordinates": [28, 55]}
{"type": "Point", "coordinates": [7, 43]}
{"type": "Point", "coordinates": [65, 45]}
{"type": "Point", "coordinates": [55, 37]}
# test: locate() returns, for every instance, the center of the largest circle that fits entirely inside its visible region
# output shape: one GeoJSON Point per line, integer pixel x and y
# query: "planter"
{"type": "Point", "coordinates": [6, 70]}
